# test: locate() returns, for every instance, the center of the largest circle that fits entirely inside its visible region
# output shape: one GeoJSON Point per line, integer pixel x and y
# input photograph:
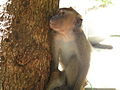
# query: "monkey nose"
{"type": "Point", "coordinates": [52, 22]}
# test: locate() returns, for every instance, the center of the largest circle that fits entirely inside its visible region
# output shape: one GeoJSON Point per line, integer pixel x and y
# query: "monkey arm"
{"type": "Point", "coordinates": [56, 56]}
{"type": "Point", "coordinates": [57, 78]}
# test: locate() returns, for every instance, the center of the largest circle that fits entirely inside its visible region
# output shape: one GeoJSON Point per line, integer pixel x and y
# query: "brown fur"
{"type": "Point", "coordinates": [71, 48]}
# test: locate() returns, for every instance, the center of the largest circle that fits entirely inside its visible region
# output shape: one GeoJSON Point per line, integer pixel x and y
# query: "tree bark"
{"type": "Point", "coordinates": [25, 57]}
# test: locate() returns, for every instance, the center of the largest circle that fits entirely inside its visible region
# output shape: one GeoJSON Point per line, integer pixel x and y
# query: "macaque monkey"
{"type": "Point", "coordinates": [71, 49]}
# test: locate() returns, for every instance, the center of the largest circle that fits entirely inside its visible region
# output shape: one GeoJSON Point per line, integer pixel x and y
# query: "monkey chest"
{"type": "Point", "coordinates": [68, 49]}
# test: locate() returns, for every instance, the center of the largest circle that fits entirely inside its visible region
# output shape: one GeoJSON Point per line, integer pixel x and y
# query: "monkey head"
{"type": "Point", "coordinates": [65, 20]}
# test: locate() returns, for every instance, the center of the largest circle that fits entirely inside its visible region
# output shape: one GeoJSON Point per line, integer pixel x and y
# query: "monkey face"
{"type": "Point", "coordinates": [65, 20]}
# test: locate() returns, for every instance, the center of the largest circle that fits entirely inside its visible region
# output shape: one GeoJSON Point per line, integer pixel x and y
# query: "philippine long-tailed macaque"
{"type": "Point", "coordinates": [71, 49]}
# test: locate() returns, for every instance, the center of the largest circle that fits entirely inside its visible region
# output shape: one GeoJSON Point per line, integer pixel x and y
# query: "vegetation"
{"type": "Point", "coordinates": [105, 2]}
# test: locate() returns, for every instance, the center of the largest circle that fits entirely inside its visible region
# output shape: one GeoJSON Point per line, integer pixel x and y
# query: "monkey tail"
{"type": "Point", "coordinates": [102, 46]}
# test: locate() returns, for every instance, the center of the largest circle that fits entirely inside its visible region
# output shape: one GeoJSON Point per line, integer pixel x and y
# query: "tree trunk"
{"type": "Point", "coordinates": [25, 58]}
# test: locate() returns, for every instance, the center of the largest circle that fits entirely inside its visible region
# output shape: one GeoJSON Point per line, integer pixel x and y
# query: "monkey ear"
{"type": "Point", "coordinates": [71, 8]}
{"type": "Point", "coordinates": [78, 21]}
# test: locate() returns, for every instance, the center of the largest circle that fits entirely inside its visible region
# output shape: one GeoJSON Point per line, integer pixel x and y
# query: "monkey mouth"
{"type": "Point", "coordinates": [53, 25]}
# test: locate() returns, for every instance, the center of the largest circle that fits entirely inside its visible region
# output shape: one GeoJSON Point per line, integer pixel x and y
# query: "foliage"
{"type": "Point", "coordinates": [105, 2]}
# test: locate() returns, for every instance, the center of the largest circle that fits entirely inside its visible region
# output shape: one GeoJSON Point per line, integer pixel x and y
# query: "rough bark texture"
{"type": "Point", "coordinates": [26, 52]}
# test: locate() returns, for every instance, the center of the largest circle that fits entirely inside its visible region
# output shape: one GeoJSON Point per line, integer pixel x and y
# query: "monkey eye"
{"type": "Point", "coordinates": [61, 13]}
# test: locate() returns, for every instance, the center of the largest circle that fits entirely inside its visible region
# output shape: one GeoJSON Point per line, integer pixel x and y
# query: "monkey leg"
{"type": "Point", "coordinates": [57, 80]}
{"type": "Point", "coordinates": [72, 71]}
{"type": "Point", "coordinates": [81, 80]}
